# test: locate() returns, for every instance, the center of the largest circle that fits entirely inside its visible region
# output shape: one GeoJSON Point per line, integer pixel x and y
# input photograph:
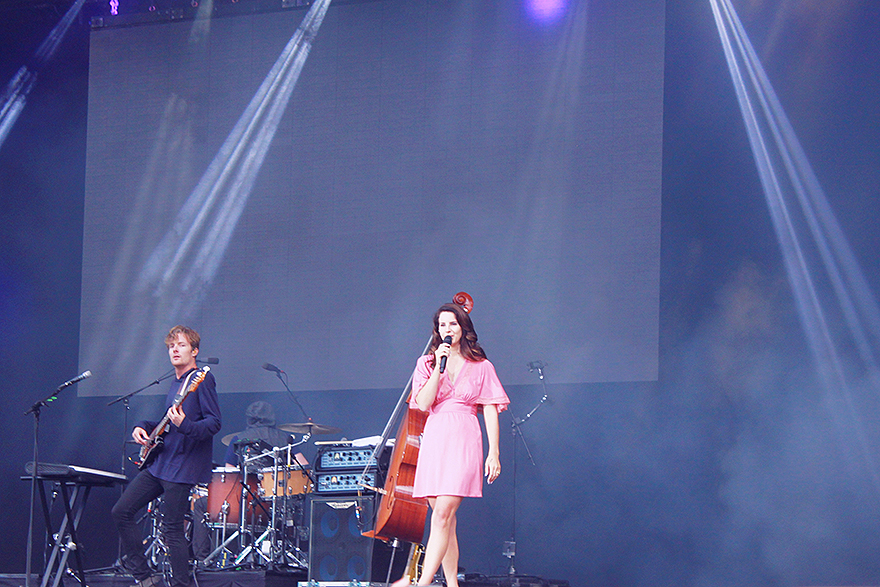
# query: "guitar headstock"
{"type": "Point", "coordinates": [196, 380]}
{"type": "Point", "coordinates": [198, 377]}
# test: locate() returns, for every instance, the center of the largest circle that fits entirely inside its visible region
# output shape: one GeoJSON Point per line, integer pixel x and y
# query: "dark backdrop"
{"type": "Point", "coordinates": [728, 470]}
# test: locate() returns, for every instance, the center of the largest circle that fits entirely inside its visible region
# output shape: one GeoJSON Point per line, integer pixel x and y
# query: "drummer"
{"type": "Point", "coordinates": [260, 431]}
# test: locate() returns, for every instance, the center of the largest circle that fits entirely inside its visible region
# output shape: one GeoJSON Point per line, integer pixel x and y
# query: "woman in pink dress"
{"type": "Point", "coordinates": [450, 465]}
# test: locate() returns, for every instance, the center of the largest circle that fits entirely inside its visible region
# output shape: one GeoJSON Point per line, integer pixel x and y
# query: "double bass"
{"type": "Point", "coordinates": [400, 515]}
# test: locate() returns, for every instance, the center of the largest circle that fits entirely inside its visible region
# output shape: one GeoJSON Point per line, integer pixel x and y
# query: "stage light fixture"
{"type": "Point", "coordinates": [546, 11]}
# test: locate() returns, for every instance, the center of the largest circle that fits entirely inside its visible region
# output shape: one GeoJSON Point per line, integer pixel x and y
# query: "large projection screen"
{"type": "Point", "coordinates": [508, 149]}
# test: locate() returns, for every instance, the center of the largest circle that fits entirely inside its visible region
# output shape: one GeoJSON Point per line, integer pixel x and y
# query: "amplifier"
{"type": "Point", "coordinates": [339, 554]}
{"type": "Point", "coordinates": [345, 481]}
{"type": "Point", "coordinates": [337, 457]}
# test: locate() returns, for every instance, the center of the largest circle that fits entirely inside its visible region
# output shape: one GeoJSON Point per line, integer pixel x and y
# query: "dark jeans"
{"type": "Point", "coordinates": [201, 534]}
{"type": "Point", "coordinates": [143, 489]}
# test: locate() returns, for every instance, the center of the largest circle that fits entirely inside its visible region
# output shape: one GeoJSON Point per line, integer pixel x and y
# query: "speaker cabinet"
{"type": "Point", "coordinates": [337, 549]}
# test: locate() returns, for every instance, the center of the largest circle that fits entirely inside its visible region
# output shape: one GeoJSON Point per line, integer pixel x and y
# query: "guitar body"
{"type": "Point", "coordinates": [150, 451]}
{"type": "Point", "coordinates": [156, 441]}
{"type": "Point", "coordinates": [400, 515]}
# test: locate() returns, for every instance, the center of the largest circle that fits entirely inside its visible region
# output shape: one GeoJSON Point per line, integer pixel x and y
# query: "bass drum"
{"type": "Point", "coordinates": [225, 496]}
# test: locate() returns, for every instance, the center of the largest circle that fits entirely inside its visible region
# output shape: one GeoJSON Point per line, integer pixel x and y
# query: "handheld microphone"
{"type": "Point", "coordinates": [209, 360]}
{"type": "Point", "coordinates": [271, 367]}
{"type": "Point", "coordinates": [77, 379]}
{"type": "Point", "coordinates": [447, 340]}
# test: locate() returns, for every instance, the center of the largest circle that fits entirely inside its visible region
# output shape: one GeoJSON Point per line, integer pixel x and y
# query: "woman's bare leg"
{"type": "Point", "coordinates": [443, 510]}
{"type": "Point", "coordinates": [450, 561]}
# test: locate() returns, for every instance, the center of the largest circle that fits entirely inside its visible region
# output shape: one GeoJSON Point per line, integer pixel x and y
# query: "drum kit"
{"type": "Point", "coordinates": [254, 512]}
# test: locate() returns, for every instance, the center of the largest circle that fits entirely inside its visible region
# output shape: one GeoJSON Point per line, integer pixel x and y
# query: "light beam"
{"type": "Point", "coordinates": [816, 253]}
{"type": "Point", "coordinates": [177, 272]}
{"type": "Point", "coordinates": [20, 86]}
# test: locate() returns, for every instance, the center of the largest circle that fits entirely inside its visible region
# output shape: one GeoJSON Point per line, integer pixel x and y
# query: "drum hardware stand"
{"type": "Point", "coordinates": [224, 541]}
{"type": "Point", "coordinates": [298, 556]}
{"type": "Point", "coordinates": [254, 548]}
{"type": "Point", "coordinates": [156, 550]}
{"type": "Point", "coordinates": [256, 544]}
{"type": "Point", "coordinates": [241, 533]}
{"type": "Point", "coordinates": [278, 553]}
{"type": "Point", "coordinates": [288, 552]}
{"type": "Point", "coordinates": [247, 527]}
{"type": "Point", "coordinates": [509, 549]}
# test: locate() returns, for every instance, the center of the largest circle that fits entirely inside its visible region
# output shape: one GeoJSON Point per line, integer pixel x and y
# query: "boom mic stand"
{"type": "Point", "coordinates": [275, 545]}
{"type": "Point", "coordinates": [35, 473]}
{"type": "Point", "coordinates": [125, 402]}
{"type": "Point", "coordinates": [516, 430]}
{"type": "Point", "coordinates": [127, 408]}
{"type": "Point", "coordinates": [278, 372]}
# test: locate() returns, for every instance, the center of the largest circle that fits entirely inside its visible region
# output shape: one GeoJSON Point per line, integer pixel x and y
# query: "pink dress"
{"type": "Point", "coordinates": [451, 451]}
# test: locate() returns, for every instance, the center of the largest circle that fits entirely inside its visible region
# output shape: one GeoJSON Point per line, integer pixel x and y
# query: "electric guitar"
{"type": "Point", "coordinates": [156, 440]}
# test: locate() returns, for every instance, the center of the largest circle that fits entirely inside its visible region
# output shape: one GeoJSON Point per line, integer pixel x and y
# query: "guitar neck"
{"type": "Point", "coordinates": [160, 428]}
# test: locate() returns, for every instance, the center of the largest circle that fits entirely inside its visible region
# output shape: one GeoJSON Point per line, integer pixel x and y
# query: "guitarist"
{"type": "Point", "coordinates": [184, 460]}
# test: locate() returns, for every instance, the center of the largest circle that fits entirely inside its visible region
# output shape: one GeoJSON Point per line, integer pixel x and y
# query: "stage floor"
{"type": "Point", "coordinates": [261, 578]}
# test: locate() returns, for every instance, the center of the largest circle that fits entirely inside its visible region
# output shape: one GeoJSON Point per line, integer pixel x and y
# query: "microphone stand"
{"type": "Point", "coordinates": [303, 440]}
{"type": "Point", "coordinates": [125, 403]}
{"type": "Point", "coordinates": [516, 430]}
{"type": "Point", "coordinates": [126, 408]}
{"type": "Point", "coordinates": [35, 410]}
{"type": "Point", "coordinates": [290, 393]}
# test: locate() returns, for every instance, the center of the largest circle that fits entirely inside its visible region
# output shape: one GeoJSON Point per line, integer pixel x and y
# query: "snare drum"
{"type": "Point", "coordinates": [289, 482]}
{"type": "Point", "coordinates": [224, 492]}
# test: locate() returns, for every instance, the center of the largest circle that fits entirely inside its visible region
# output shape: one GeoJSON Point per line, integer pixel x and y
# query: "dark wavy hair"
{"type": "Point", "coordinates": [470, 348]}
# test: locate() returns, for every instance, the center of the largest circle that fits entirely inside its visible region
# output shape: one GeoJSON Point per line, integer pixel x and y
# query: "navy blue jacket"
{"type": "Point", "coordinates": [187, 456]}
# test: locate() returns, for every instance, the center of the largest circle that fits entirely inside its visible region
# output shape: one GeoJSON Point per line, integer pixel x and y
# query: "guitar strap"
{"type": "Point", "coordinates": [185, 383]}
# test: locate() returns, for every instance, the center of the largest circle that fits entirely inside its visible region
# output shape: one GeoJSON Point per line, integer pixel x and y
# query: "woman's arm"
{"type": "Point", "coordinates": [428, 393]}
{"type": "Point", "coordinates": [493, 459]}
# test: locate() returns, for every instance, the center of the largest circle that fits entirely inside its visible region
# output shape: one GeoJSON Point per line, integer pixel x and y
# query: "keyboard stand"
{"type": "Point", "coordinates": [75, 484]}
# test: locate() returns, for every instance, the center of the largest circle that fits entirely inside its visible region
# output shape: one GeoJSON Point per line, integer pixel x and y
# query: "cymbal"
{"type": "Point", "coordinates": [310, 428]}
{"type": "Point", "coordinates": [229, 437]}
